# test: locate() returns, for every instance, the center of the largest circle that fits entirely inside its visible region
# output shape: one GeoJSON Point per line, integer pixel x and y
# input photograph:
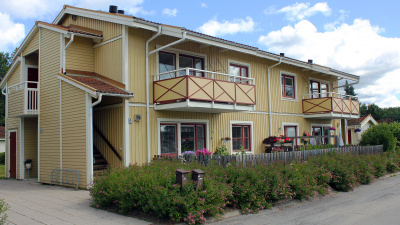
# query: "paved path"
{"type": "Point", "coordinates": [34, 203]}
{"type": "Point", "coordinates": [377, 203]}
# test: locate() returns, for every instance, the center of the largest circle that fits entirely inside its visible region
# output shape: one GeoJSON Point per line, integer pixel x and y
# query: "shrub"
{"type": "Point", "coordinates": [3, 208]}
{"type": "Point", "coordinates": [381, 134]}
{"type": "Point", "coordinates": [2, 158]}
{"type": "Point", "coordinates": [221, 150]}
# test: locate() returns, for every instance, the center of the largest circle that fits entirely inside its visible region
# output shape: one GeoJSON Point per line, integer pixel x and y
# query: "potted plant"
{"type": "Point", "coordinates": [28, 164]}
{"type": "Point", "coordinates": [225, 139]}
{"type": "Point", "coordinates": [332, 130]}
{"type": "Point", "coordinates": [271, 140]}
{"type": "Point", "coordinates": [357, 130]}
{"type": "Point", "coordinates": [306, 134]}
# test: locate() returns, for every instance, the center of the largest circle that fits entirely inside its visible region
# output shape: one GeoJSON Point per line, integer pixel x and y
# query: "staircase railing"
{"type": "Point", "coordinates": [107, 142]}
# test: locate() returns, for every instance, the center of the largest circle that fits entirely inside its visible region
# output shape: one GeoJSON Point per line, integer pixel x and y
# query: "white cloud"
{"type": "Point", "coordinates": [10, 33]}
{"type": "Point", "coordinates": [216, 28]}
{"type": "Point", "coordinates": [300, 11]}
{"type": "Point", "coordinates": [204, 5]}
{"type": "Point", "coordinates": [48, 9]}
{"type": "Point", "coordinates": [170, 12]}
{"type": "Point", "coordinates": [356, 48]}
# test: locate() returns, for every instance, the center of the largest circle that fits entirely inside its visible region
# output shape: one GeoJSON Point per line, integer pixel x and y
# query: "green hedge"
{"type": "Point", "coordinates": [151, 188]}
{"type": "Point", "coordinates": [382, 134]}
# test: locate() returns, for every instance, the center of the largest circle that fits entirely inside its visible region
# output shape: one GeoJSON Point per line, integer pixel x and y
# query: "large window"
{"type": "Point", "coordinates": [288, 86]}
{"type": "Point", "coordinates": [192, 137]}
{"type": "Point", "coordinates": [290, 131]}
{"type": "Point", "coordinates": [321, 131]}
{"type": "Point", "coordinates": [167, 62]}
{"type": "Point", "coordinates": [239, 70]}
{"type": "Point", "coordinates": [319, 89]}
{"type": "Point", "coordinates": [241, 137]}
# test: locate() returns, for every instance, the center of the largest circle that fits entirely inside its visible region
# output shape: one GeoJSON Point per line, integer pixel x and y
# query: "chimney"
{"type": "Point", "coordinates": [310, 61]}
{"type": "Point", "coordinates": [282, 54]}
{"type": "Point", "coordinates": [121, 11]}
{"type": "Point", "coordinates": [113, 9]}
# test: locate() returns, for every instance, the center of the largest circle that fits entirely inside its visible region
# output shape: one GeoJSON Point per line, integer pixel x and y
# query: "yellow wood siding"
{"type": "Point", "coordinates": [32, 60]}
{"type": "Point", "coordinates": [110, 30]}
{"type": "Point", "coordinates": [74, 131]}
{"type": "Point", "coordinates": [108, 60]}
{"type": "Point", "coordinates": [49, 104]}
{"type": "Point", "coordinates": [31, 151]}
{"type": "Point", "coordinates": [16, 103]}
{"type": "Point", "coordinates": [15, 78]}
{"type": "Point", "coordinates": [80, 54]}
{"type": "Point", "coordinates": [33, 45]}
{"type": "Point", "coordinates": [109, 122]}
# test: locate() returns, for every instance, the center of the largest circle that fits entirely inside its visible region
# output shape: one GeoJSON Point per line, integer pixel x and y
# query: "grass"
{"type": "Point", "coordinates": [2, 173]}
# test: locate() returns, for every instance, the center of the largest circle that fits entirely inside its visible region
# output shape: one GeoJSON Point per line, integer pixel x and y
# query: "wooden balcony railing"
{"type": "Point", "coordinates": [209, 87]}
{"type": "Point", "coordinates": [23, 99]}
{"type": "Point", "coordinates": [330, 102]}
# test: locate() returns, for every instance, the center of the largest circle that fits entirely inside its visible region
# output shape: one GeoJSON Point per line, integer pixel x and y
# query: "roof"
{"type": "Point", "coordinates": [2, 132]}
{"type": "Point", "coordinates": [95, 85]}
{"type": "Point", "coordinates": [74, 29]}
{"type": "Point", "coordinates": [362, 119]}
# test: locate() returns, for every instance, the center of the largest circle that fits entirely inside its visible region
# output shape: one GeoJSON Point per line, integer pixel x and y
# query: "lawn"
{"type": "Point", "coordinates": [2, 171]}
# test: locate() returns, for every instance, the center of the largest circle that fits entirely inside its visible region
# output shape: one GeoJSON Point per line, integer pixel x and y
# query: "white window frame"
{"type": "Point", "coordinates": [295, 99]}
{"type": "Point", "coordinates": [250, 123]}
{"type": "Point", "coordinates": [230, 61]}
{"type": "Point", "coordinates": [177, 52]}
{"type": "Point", "coordinates": [25, 75]}
{"type": "Point", "coordinates": [293, 125]}
{"type": "Point", "coordinates": [179, 122]}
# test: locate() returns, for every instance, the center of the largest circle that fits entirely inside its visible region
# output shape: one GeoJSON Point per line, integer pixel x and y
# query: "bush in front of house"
{"type": "Point", "coordinates": [382, 134]}
{"type": "Point", "coordinates": [3, 208]}
{"type": "Point", "coordinates": [2, 158]}
{"type": "Point", "coordinates": [151, 188]}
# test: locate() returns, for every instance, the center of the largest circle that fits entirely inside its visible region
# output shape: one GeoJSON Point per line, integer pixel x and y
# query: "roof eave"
{"type": "Point", "coordinates": [9, 72]}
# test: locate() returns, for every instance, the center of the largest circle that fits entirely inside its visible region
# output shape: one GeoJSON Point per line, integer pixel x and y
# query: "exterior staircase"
{"type": "Point", "coordinates": [99, 162]}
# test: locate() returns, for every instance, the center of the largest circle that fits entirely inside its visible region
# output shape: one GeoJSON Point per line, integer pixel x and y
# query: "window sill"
{"type": "Point", "coordinates": [289, 99]}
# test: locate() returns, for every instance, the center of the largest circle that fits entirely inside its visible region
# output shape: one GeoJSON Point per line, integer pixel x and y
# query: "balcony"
{"type": "Point", "coordinates": [211, 92]}
{"type": "Point", "coordinates": [330, 105]}
{"type": "Point", "coordinates": [23, 99]}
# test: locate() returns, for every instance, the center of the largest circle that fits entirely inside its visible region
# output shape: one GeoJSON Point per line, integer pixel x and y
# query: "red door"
{"type": "Point", "coordinates": [349, 136]}
{"type": "Point", "coordinates": [13, 154]}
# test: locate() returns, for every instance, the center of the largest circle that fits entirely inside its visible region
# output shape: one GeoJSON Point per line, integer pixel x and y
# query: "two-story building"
{"type": "Point", "coordinates": [96, 88]}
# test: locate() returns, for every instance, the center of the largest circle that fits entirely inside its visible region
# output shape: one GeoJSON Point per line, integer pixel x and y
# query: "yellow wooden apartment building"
{"type": "Point", "coordinates": [95, 88]}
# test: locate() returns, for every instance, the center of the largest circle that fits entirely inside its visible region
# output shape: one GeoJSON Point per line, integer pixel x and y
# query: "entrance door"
{"type": "Point", "coordinates": [349, 136]}
{"type": "Point", "coordinates": [13, 154]}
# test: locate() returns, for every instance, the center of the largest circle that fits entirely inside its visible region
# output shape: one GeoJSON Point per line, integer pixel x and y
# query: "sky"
{"type": "Point", "coordinates": [357, 37]}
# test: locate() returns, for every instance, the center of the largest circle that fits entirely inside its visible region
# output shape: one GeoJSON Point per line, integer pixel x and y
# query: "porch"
{"type": "Point", "coordinates": [23, 99]}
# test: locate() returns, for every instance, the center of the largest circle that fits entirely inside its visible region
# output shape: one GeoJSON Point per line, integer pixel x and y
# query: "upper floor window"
{"type": "Point", "coordinates": [167, 62]}
{"type": "Point", "coordinates": [319, 89]}
{"type": "Point", "coordinates": [288, 86]}
{"type": "Point", "coordinates": [239, 70]}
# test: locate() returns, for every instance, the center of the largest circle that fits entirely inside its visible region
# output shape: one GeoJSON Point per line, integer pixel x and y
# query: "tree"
{"type": "Point", "coordinates": [5, 63]}
{"type": "Point", "coordinates": [349, 89]}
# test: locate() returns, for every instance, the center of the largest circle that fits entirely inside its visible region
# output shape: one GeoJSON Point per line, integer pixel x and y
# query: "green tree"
{"type": "Point", "coordinates": [349, 89]}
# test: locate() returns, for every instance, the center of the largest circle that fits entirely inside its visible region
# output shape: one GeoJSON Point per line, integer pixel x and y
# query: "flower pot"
{"type": "Point", "coordinates": [225, 141]}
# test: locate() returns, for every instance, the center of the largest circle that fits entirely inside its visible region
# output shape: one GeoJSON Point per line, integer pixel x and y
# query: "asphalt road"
{"type": "Point", "coordinates": [377, 203]}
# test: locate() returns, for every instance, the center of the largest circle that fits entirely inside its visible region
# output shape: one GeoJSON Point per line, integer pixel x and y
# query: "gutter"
{"type": "Point", "coordinates": [269, 95]}
{"type": "Point", "coordinates": [147, 82]}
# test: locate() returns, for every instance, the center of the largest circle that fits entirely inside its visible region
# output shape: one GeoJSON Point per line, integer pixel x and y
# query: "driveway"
{"type": "Point", "coordinates": [377, 203]}
{"type": "Point", "coordinates": [34, 203]}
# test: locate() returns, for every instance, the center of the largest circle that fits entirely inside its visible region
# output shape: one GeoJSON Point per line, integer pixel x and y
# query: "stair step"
{"type": "Point", "coordinates": [100, 167]}
{"type": "Point", "coordinates": [100, 161]}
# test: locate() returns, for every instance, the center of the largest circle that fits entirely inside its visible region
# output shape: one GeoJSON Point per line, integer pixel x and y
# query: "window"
{"type": "Point", "coordinates": [321, 131]}
{"type": "Point", "coordinates": [319, 89]}
{"type": "Point", "coordinates": [240, 71]}
{"type": "Point", "coordinates": [241, 137]}
{"type": "Point", "coordinates": [192, 137]}
{"type": "Point", "coordinates": [290, 131]}
{"type": "Point", "coordinates": [288, 88]}
{"type": "Point", "coordinates": [167, 62]}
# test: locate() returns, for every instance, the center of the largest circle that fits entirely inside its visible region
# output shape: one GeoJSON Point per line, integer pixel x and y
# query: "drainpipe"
{"type": "Point", "coordinates": [99, 98]}
{"type": "Point", "coordinates": [65, 50]}
{"type": "Point", "coordinates": [269, 96]}
{"type": "Point", "coordinates": [147, 82]}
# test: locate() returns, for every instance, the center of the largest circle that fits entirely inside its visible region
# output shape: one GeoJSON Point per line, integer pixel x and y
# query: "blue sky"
{"type": "Point", "coordinates": [358, 37]}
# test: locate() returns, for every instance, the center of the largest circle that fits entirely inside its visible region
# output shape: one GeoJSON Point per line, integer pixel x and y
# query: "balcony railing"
{"type": "Point", "coordinates": [331, 103]}
{"type": "Point", "coordinates": [203, 86]}
{"type": "Point", "coordinates": [23, 99]}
